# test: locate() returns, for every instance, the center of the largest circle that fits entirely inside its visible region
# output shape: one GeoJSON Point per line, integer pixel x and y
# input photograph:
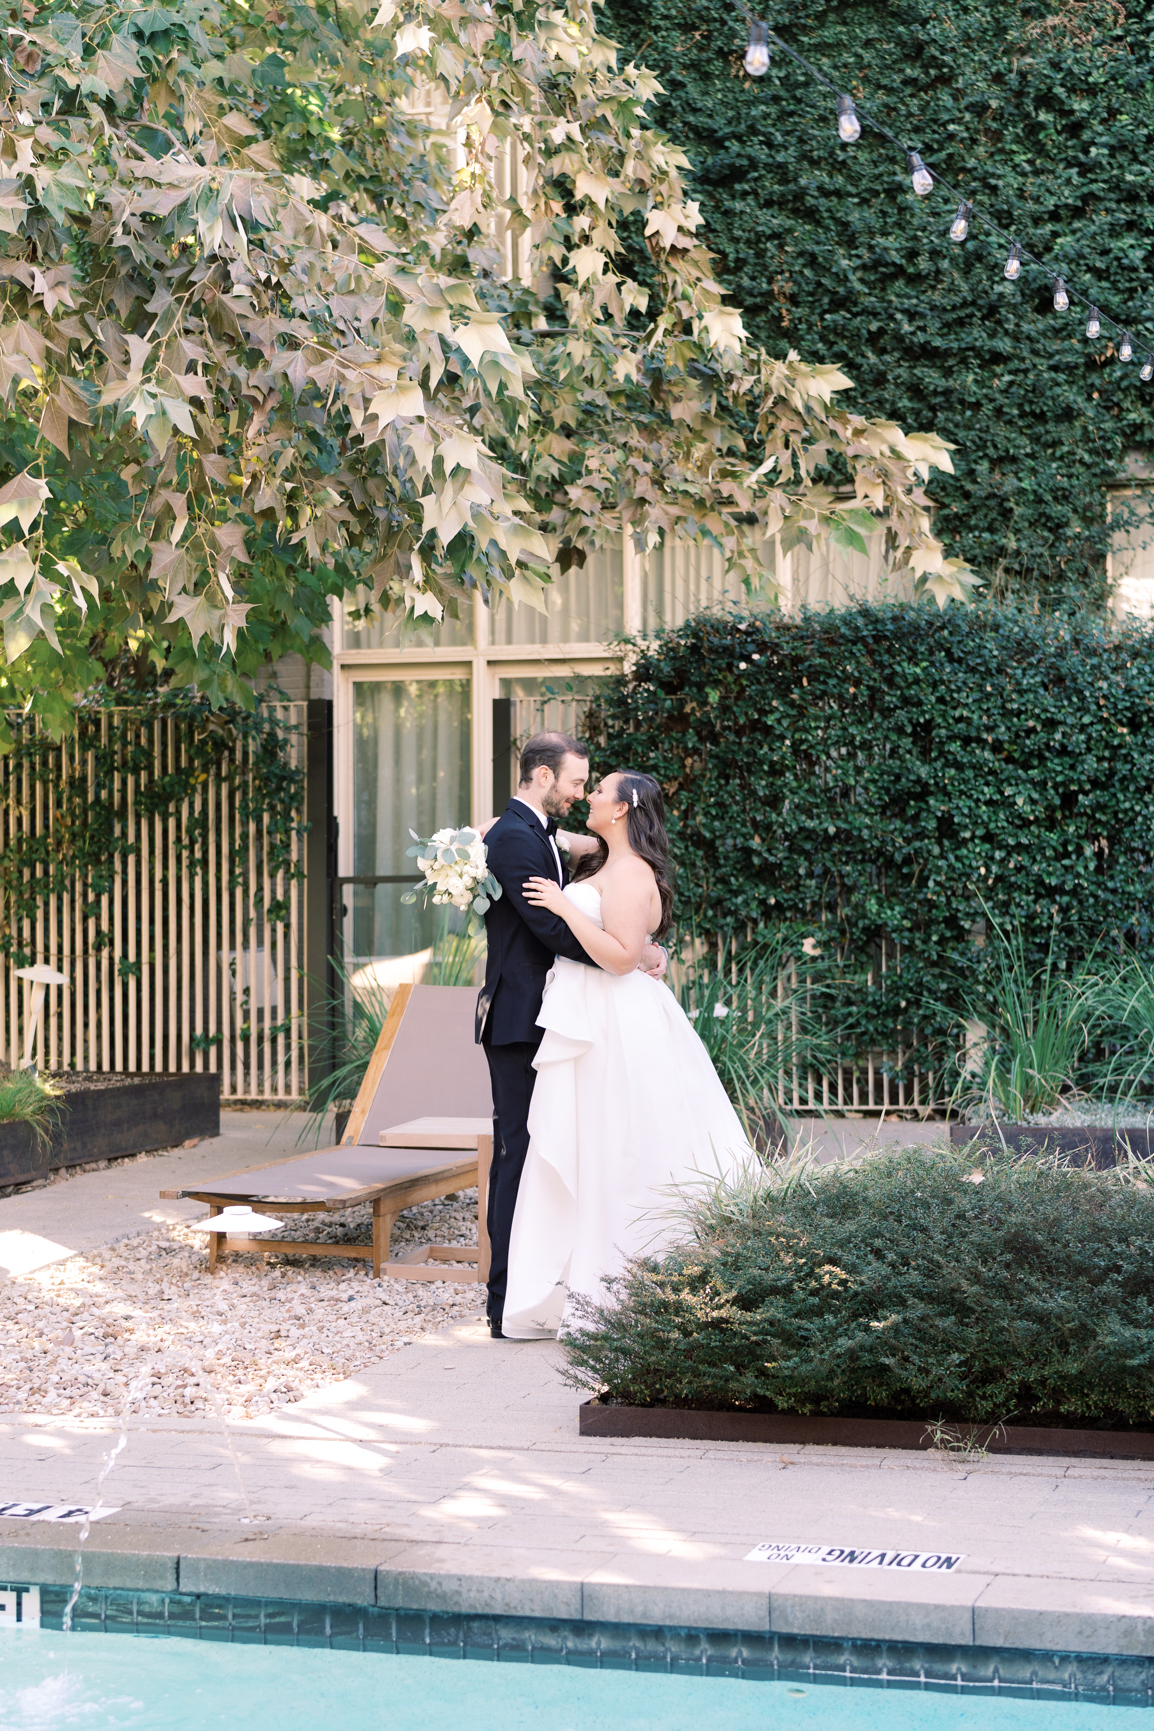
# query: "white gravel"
{"type": "Point", "coordinates": [262, 1334]}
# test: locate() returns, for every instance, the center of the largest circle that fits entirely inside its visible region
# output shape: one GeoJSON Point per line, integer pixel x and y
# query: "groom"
{"type": "Point", "coordinates": [522, 942]}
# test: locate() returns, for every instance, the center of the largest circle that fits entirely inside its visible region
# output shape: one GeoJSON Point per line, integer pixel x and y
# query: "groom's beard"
{"type": "Point", "coordinates": [554, 804]}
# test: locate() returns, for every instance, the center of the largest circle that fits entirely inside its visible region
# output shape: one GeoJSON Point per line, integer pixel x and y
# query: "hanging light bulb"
{"type": "Point", "coordinates": [1014, 262]}
{"type": "Point", "coordinates": [923, 180]}
{"type": "Point", "coordinates": [1061, 298]}
{"type": "Point", "coordinates": [848, 124]}
{"type": "Point", "coordinates": [960, 227]}
{"type": "Point", "coordinates": [1147, 372]}
{"type": "Point", "coordinates": [1093, 326]}
{"type": "Point", "coordinates": [757, 53]}
{"type": "Point", "coordinates": [1125, 352]}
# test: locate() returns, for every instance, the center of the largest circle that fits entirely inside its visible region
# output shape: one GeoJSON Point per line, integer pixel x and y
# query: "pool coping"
{"type": "Point", "coordinates": [961, 1609]}
{"type": "Point", "coordinates": [746, 1655]}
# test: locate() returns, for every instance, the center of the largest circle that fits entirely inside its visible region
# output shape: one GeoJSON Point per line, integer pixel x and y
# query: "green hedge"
{"type": "Point", "coordinates": [880, 771]}
{"type": "Point", "coordinates": [1043, 114]}
{"type": "Point", "coordinates": [901, 1288]}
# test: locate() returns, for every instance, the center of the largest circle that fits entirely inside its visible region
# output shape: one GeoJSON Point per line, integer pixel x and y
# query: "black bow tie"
{"type": "Point", "coordinates": [551, 827]}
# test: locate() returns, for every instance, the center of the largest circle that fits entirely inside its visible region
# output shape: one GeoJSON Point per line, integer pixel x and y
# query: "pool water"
{"type": "Point", "coordinates": [99, 1682]}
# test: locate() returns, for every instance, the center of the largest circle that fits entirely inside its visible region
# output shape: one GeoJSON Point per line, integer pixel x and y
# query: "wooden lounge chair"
{"type": "Point", "coordinates": [392, 1153]}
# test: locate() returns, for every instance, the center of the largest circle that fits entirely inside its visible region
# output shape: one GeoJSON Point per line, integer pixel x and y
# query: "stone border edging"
{"type": "Point", "coordinates": [695, 1425]}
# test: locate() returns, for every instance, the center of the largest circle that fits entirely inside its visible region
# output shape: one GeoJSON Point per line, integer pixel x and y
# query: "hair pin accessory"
{"type": "Point", "coordinates": [634, 799]}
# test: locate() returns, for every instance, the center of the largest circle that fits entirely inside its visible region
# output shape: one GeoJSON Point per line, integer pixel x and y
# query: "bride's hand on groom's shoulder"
{"type": "Point", "coordinates": [484, 828]}
{"type": "Point", "coordinates": [544, 893]}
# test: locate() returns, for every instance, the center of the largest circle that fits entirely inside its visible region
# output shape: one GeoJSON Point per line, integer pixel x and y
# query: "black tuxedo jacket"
{"type": "Point", "coordinates": [523, 940]}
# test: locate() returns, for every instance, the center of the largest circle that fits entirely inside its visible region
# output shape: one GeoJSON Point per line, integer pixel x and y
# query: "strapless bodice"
{"type": "Point", "coordinates": [587, 899]}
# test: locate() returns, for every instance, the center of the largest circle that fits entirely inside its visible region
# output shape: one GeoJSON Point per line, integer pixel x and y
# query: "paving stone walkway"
{"type": "Point", "coordinates": [451, 1476]}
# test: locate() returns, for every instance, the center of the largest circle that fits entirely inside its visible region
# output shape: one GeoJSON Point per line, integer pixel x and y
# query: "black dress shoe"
{"type": "Point", "coordinates": [495, 1328]}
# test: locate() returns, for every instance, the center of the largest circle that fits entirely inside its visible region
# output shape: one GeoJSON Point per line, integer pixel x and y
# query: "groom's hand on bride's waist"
{"type": "Point", "coordinates": [654, 961]}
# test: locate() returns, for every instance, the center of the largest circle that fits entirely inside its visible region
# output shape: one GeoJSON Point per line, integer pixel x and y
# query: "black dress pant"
{"type": "Point", "coordinates": [512, 1074]}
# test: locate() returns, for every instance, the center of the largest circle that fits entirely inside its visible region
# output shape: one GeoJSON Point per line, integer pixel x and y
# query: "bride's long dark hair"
{"type": "Point", "coordinates": [645, 829]}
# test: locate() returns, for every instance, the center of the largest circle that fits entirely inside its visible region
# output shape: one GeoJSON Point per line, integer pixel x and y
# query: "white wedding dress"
{"type": "Point", "coordinates": [626, 1107]}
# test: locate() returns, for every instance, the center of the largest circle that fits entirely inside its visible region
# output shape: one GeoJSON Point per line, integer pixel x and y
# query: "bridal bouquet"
{"type": "Point", "coordinates": [455, 864]}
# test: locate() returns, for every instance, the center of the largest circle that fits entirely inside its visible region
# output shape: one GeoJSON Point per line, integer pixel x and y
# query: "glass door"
{"type": "Point", "coordinates": [411, 751]}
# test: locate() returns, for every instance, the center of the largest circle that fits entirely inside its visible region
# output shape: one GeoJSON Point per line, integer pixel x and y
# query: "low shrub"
{"type": "Point", "coordinates": [910, 1285]}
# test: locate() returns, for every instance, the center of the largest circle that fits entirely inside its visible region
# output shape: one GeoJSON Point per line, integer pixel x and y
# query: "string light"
{"type": "Point", "coordinates": [923, 180]}
{"type": "Point", "coordinates": [1147, 372]}
{"type": "Point", "coordinates": [920, 176]}
{"type": "Point", "coordinates": [848, 124]}
{"type": "Point", "coordinates": [757, 51]}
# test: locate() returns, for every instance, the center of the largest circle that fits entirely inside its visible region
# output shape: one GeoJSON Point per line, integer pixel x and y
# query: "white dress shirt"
{"type": "Point", "coordinates": [544, 825]}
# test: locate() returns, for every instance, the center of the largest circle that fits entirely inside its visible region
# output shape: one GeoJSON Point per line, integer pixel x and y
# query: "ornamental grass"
{"type": "Point", "coordinates": [26, 1098]}
{"type": "Point", "coordinates": [915, 1284]}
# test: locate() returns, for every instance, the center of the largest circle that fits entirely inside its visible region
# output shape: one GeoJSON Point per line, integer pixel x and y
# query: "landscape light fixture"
{"type": "Point", "coordinates": [238, 1219]}
{"type": "Point", "coordinates": [1093, 324]}
{"type": "Point", "coordinates": [1014, 263]}
{"type": "Point", "coordinates": [757, 51]}
{"type": "Point", "coordinates": [920, 177]}
{"type": "Point", "coordinates": [1061, 298]}
{"type": "Point", "coordinates": [848, 124]}
{"type": "Point", "coordinates": [40, 978]}
{"type": "Point", "coordinates": [960, 227]}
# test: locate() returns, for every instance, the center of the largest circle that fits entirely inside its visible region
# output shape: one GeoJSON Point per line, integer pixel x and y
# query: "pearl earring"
{"type": "Point", "coordinates": [612, 820]}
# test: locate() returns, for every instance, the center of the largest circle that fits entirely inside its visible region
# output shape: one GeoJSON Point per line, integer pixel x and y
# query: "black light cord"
{"type": "Point", "coordinates": [974, 214]}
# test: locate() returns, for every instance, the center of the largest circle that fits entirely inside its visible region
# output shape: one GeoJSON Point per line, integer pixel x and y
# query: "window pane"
{"type": "Point", "coordinates": [683, 577]}
{"type": "Point", "coordinates": [1132, 548]}
{"type": "Point", "coordinates": [542, 704]}
{"type": "Point", "coordinates": [383, 630]}
{"type": "Point", "coordinates": [411, 770]}
{"type": "Point", "coordinates": [387, 944]}
{"type": "Point", "coordinates": [585, 605]}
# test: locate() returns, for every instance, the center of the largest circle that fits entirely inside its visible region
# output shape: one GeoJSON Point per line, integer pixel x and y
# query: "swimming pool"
{"type": "Point", "coordinates": [120, 1683]}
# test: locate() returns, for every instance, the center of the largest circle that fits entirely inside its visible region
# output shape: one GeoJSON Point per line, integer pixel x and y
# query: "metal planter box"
{"type": "Point", "coordinates": [1100, 1148]}
{"type": "Point", "coordinates": [694, 1425]}
{"type": "Point", "coordinates": [129, 1116]}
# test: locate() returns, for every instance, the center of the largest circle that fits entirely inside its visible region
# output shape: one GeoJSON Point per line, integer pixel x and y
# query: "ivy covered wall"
{"type": "Point", "coordinates": [889, 773]}
{"type": "Point", "coordinates": [1044, 113]}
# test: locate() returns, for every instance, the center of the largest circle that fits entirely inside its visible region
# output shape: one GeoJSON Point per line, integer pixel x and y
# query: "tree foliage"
{"type": "Point", "coordinates": [1041, 114]}
{"type": "Point", "coordinates": [258, 347]}
{"type": "Point", "coordinates": [885, 775]}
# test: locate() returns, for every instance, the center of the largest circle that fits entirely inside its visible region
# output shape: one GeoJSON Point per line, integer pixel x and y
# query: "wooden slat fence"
{"type": "Point", "coordinates": [190, 975]}
{"type": "Point", "coordinates": [872, 1083]}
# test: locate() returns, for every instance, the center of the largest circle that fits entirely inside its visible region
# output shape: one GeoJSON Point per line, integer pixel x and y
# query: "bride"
{"type": "Point", "coordinates": [626, 1104]}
